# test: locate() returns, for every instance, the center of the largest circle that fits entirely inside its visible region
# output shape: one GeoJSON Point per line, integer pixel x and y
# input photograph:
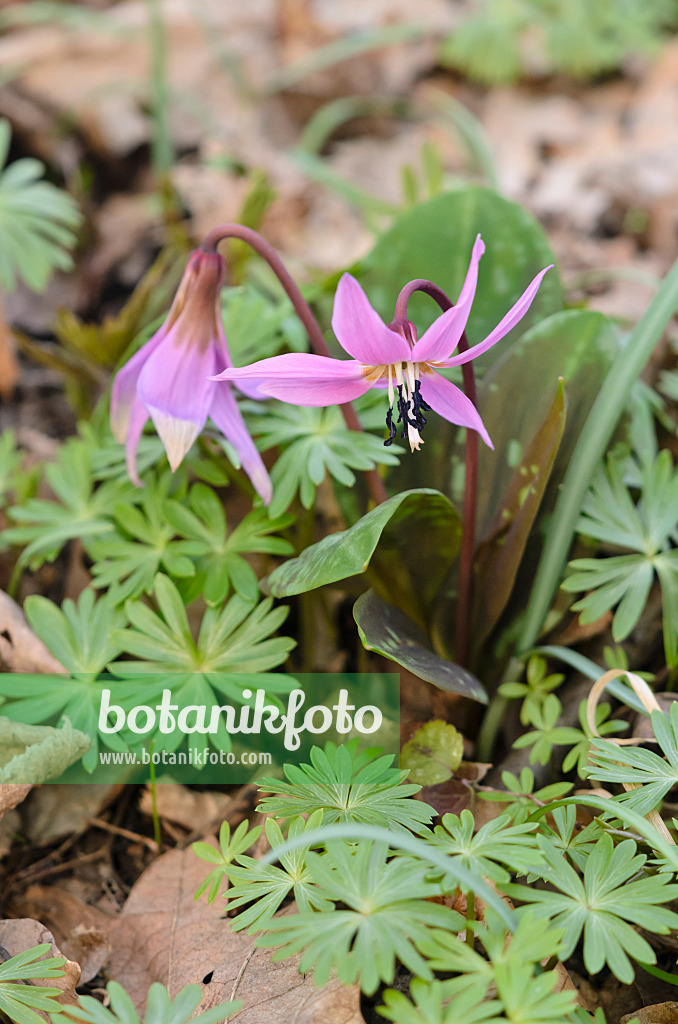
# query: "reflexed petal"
{"type": "Point", "coordinates": [174, 387]}
{"type": "Point", "coordinates": [442, 337]}
{"type": "Point", "coordinates": [125, 387]}
{"type": "Point", "coordinates": [360, 330]}
{"type": "Point", "coordinates": [514, 316]}
{"type": "Point", "coordinates": [304, 379]}
{"type": "Point", "coordinates": [448, 401]}
{"type": "Point", "coordinates": [227, 417]}
{"type": "Point", "coordinates": [135, 428]}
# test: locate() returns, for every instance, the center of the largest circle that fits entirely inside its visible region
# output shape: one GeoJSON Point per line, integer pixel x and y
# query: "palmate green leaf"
{"type": "Point", "coordinates": [19, 1002]}
{"type": "Point", "coordinates": [655, 776]}
{"type": "Point", "coordinates": [160, 1008]}
{"type": "Point", "coordinates": [532, 941]}
{"type": "Point", "coordinates": [387, 913]}
{"type": "Point", "coordinates": [546, 733]}
{"type": "Point", "coordinates": [10, 461]}
{"type": "Point", "coordinates": [496, 850]}
{"type": "Point", "coordinates": [127, 562]}
{"type": "Point", "coordinates": [348, 787]}
{"type": "Point", "coordinates": [235, 638]}
{"type": "Point", "coordinates": [258, 326]}
{"type": "Point", "coordinates": [265, 886]}
{"type": "Point", "coordinates": [315, 442]}
{"type": "Point", "coordinates": [232, 653]}
{"type": "Point", "coordinates": [229, 848]}
{"type": "Point", "coordinates": [83, 636]}
{"type": "Point", "coordinates": [429, 1005]}
{"type": "Point", "coordinates": [521, 797]}
{"type": "Point", "coordinates": [81, 511]}
{"type": "Point", "coordinates": [601, 905]}
{"type": "Point", "coordinates": [610, 515]}
{"type": "Point", "coordinates": [38, 222]}
{"type": "Point", "coordinates": [219, 561]}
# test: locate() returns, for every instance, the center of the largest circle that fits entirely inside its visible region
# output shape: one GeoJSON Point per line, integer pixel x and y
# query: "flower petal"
{"type": "Point", "coordinates": [447, 400]}
{"type": "Point", "coordinates": [224, 360]}
{"type": "Point", "coordinates": [304, 379]}
{"type": "Point", "coordinates": [136, 421]}
{"type": "Point", "coordinates": [361, 331]}
{"type": "Point", "coordinates": [514, 316]}
{"type": "Point", "coordinates": [124, 389]}
{"type": "Point", "coordinates": [174, 386]}
{"type": "Point", "coordinates": [442, 337]}
{"type": "Point", "coordinates": [227, 417]}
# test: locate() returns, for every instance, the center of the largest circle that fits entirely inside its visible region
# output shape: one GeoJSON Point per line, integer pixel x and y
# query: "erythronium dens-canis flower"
{"type": "Point", "coordinates": [171, 378]}
{"type": "Point", "coordinates": [389, 357]}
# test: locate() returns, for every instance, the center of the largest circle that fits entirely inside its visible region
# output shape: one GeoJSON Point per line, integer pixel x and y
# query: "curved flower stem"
{"type": "Point", "coordinates": [468, 519]}
{"type": "Point", "coordinates": [375, 484]}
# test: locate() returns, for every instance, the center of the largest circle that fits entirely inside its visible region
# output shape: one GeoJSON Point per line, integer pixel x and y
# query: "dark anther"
{"type": "Point", "coordinates": [391, 428]}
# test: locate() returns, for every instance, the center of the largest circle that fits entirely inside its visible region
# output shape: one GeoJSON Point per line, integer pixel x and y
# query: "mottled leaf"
{"type": "Point", "coordinates": [403, 522]}
{"type": "Point", "coordinates": [498, 557]}
{"type": "Point", "coordinates": [390, 632]}
{"type": "Point", "coordinates": [515, 397]}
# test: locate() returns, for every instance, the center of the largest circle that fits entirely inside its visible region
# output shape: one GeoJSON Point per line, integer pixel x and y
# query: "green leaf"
{"type": "Point", "coordinates": [348, 553]}
{"type": "Point", "coordinates": [498, 558]}
{"type": "Point", "coordinates": [433, 753]}
{"type": "Point", "coordinates": [84, 637]}
{"type": "Point", "coordinates": [347, 786]}
{"type": "Point", "coordinates": [220, 564]}
{"type": "Point", "coordinates": [386, 913]}
{"type": "Point", "coordinates": [390, 632]}
{"type": "Point", "coordinates": [316, 442]}
{"type": "Point", "coordinates": [591, 445]}
{"type": "Point", "coordinates": [603, 905]}
{"type": "Point", "coordinates": [38, 222]}
{"type": "Point", "coordinates": [517, 395]}
{"type": "Point", "coordinates": [492, 849]}
{"type": "Point", "coordinates": [81, 511]}
{"type": "Point", "coordinates": [624, 581]}
{"type": "Point", "coordinates": [160, 1008]}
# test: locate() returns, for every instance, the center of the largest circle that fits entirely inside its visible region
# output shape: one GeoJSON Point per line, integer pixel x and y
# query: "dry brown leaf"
{"type": "Point", "coordinates": [79, 929]}
{"type": "Point", "coordinates": [11, 796]}
{"type": "Point", "coordinates": [164, 935]}
{"type": "Point", "coordinates": [9, 368]}
{"type": "Point", "coordinates": [23, 933]}
{"type": "Point", "coordinates": [660, 1013]}
{"type": "Point", "coordinates": [58, 810]}
{"type": "Point", "coordinates": [20, 649]}
{"type": "Point", "coordinates": [10, 823]}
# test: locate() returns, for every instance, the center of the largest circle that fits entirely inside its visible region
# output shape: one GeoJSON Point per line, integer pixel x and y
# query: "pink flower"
{"type": "Point", "coordinates": [171, 380]}
{"type": "Point", "coordinates": [387, 357]}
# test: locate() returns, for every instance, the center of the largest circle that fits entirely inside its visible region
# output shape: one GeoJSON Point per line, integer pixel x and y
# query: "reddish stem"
{"type": "Point", "coordinates": [375, 484]}
{"type": "Point", "coordinates": [468, 518]}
